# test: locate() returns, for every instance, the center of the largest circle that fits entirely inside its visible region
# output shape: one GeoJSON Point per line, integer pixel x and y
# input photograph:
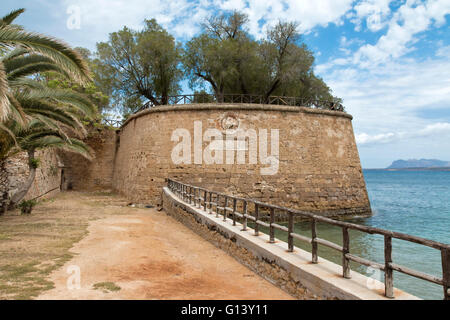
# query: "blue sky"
{"type": "Point", "coordinates": [388, 60]}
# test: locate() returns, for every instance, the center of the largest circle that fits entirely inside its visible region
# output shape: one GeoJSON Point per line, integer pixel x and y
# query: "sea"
{"type": "Point", "coordinates": [412, 202]}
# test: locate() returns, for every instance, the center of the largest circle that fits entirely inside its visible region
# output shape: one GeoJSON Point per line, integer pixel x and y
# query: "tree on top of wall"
{"type": "Point", "coordinates": [225, 57]}
{"type": "Point", "coordinates": [139, 65]}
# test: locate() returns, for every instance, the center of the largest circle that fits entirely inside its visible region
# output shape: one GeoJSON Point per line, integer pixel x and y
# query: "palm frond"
{"type": "Point", "coordinates": [10, 17]}
{"type": "Point", "coordinates": [68, 97]}
{"type": "Point", "coordinates": [34, 135]}
{"type": "Point", "coordinates": [4, 88]}
{"type": "Point", "coordinates": [7, 140]}
{"type": "Point", "coordinates": [26, 83]}
{"type": "Point", "coordinates": [17, 52]}
{"type": "Point", "coordinates": [54, 114]}
{"type": "Point", "coordinates": [35, 68]}
{"type": "Point", "coordinates": [16, 112]}
{"type": "Point", "coordinates": [61, 53]}
{"type": "Point", "coordinates": [53, 140]}
{"type": "Point", "coordinates": [51, 124]}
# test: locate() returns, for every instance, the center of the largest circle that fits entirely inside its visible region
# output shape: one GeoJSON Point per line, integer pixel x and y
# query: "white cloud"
{"type": "Point", "coordinates": [373, 12]}
{"type": "Point", "coordinates": [388, 102]}
{"type": "Point", "coordinates": [435, 129]}
{"type": "Point", "coordinates": [308, 14]}
{"type": "Point", "coordinates": [410, 19]}
{"type": "Point", "coordinates": [183, 17]}
{"type": "Point", "coordinates": [364, 138]}
{"type": "Point", "coordinates": [443, 51]}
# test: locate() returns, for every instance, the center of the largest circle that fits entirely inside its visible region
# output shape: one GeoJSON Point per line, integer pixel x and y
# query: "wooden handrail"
{"type": "Point", "coordinates": [180, 189]}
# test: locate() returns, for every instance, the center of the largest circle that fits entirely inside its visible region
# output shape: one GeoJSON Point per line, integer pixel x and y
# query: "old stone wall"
{"type": "Point", "coordinates": [48, 174]}
{"type": "Point", "coordinates": [82, 174]}
{"type": "Point", "coordinates": [66, 170]}
{"type": "Point", "coordinates": [318, 163]}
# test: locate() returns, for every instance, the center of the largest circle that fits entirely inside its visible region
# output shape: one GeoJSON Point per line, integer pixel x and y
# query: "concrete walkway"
{"type": "Point", "coordinates": [151, 256]}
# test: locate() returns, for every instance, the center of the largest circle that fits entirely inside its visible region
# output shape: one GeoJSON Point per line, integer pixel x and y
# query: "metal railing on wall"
{"type": "Point", "coordinates": [112, 122]}
{"type": "Point", "coordinates": [245, 210]}
{"type": "Point", "coordinates": [237, 99]}
{"type": "Point", "coordinates": [246, 98]}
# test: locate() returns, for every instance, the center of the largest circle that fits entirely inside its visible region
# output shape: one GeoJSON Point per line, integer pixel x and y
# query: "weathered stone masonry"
{"type": "Point", "coordinates": [319, 166]}
{"type": "Point", "coordinates": [48, 174]}
{"type": "Point", "coordinates": [82, 174]}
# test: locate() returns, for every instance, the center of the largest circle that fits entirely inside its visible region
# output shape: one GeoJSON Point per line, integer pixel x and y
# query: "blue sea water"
{"type": "Point", "coordinates": [417, 203]}
{"type": "Point", "coordinates": [412, 202]}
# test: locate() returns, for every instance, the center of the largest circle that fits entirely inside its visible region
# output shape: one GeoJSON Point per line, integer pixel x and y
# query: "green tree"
{"type": "Point", "coordinates": [219, 55]}
{"type": "Point", "coordinates": [139, 65]}
{"type": "Point", "coordinates": [227, 58]}
{"type": "Point", "coordinates": [93, 90]}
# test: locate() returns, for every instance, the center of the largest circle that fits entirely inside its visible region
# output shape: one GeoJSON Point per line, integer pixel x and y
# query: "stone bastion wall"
{"type": "Point", "coordinates": [295, 157]}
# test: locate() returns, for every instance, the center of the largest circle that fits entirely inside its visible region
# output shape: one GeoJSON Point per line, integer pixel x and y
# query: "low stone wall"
{"type": "Point", "coordinates": [61, 170]}
{"type": "Point", "coordinates": [48, 174]}
{"type": "Point", "coordinates": [265, 268]}
{"type": "Point", "coordinates": [292, 272]}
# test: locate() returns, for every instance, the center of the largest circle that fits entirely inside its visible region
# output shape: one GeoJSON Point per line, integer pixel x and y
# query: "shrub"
{"type": "Point", "coordinates": [26, 206]}
{"type": "Point", "coordinates": [34, 162]}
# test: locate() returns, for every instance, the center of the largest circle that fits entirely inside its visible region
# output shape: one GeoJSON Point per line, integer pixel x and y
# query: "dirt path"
{"type": "Point", "coordinates": [149, 255]}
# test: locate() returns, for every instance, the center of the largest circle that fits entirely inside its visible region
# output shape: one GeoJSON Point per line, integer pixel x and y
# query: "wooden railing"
{"type": "Point", "coordinates": [234, 208]}
{"type": "Point", "coordinates": [112, 122]}
{"type": "Point", "coordinates": [246, 98]}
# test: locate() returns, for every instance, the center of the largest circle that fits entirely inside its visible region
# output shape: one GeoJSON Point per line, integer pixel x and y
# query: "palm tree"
{"type": "Point", "coordinates": [64, 57]}
{"type": "Point", "coordinates": [31, 137]}
{"type": "Point", "coordinates": [35, 116]}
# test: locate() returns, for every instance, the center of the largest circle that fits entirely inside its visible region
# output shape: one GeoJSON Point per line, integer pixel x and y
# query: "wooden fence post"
{"type": "Point", "coordinates": [314, 258]}
{"type": "Point", "coordinates": [244, 222]}
{"type": "Point", "coordinates": [290, 231]}
{"type": "Point", "coordinates": [256, 219]}
{"type": "Point", "coordinates": [217, 205]}
{"type": "Point", "coordinates": [234, 211]}
{"type": "Point", "coordinates": [445, 254]}
{"type": "Point", "coordinates": [388, 272]}
{"type": "Point", "coordinates": [204, 201]}
{"type": "Point", "coordinates": [345, 250]}
{"type": "Point", "coordinates": [210, 203]}
{"type": "Point", "coordinates": [195, 196]}
{"type": "Point", "coordinates": [225, 209]}
{"type": "Point", "coordinates": [272, 229]}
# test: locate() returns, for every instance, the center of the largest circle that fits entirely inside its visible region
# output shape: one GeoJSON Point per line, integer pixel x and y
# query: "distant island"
{"type": "Point", "coordinates": [419, 165]}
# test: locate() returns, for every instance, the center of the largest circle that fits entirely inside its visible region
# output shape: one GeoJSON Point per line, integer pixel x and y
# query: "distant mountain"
{"type": "Point", "coordinates": [418, 163]}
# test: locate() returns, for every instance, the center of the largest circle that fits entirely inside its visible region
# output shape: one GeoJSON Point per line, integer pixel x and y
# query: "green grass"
{"type": "Point", "coordinates": [33, 246]}
{"type": "Point", "coordinates": [4, 236]}
{"type": "Point", "coordinates": [106, 286]}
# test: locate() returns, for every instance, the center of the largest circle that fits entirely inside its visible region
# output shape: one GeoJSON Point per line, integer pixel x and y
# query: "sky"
{"type": "Point", "coordinates": [388, 60]}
